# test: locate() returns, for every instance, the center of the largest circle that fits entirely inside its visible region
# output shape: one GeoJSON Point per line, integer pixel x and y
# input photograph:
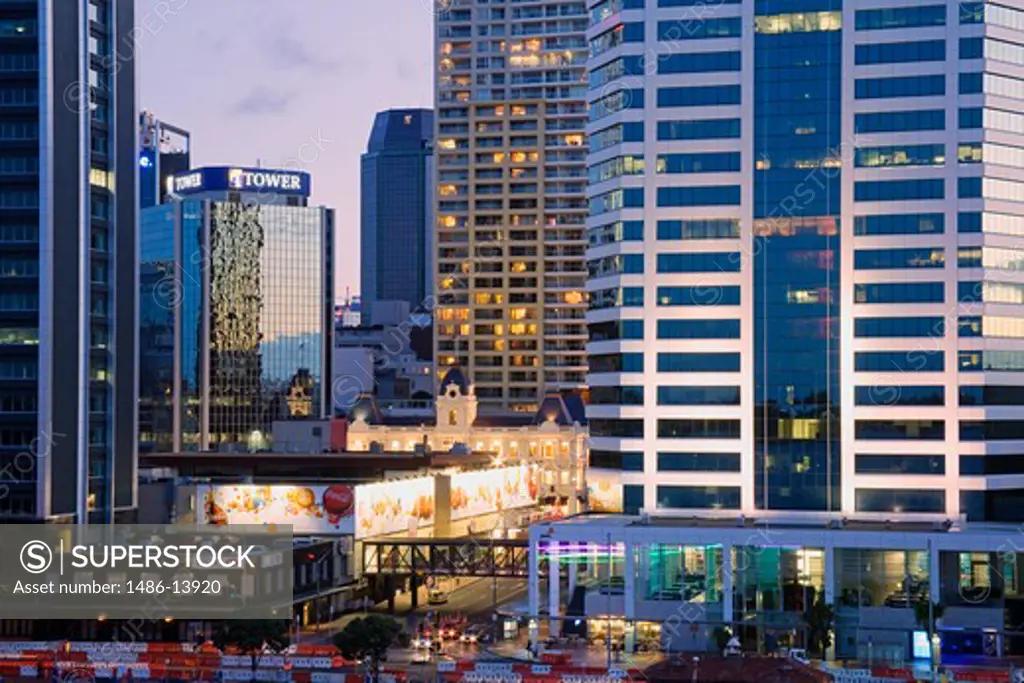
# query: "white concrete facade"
{"type": "Point", "coordinates": [1001, 137]}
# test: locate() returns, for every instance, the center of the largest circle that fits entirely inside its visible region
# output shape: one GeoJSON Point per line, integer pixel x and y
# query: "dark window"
{"type": "Point", "coordinates": [698, 362]}
{"type": "Point", "coordinates": [900, 17]}
{"type": "Point", "coordinates": [627, 461]}
{"type": "Point", "coordinates": [900, 86]}
{"type": "Point", "coordinates": [695, 29]}
{"type": "Point", "coordinates": [900, 464]}
{"type": "Point", "coordinates": [704, 195]}
{"type": "Point", "coordinates": [632, 498]}
{"type": "Point", "coordinates": [899, 53]}
{"type": "Point", "coordinates": [699, 329]}
{"type": "Point", "coordinates": [900, 327]}
{"type": "Point", "coordinates": [698, 429]}
{"type": "Point", "coordinates": [891, 393]}
{"type": "Point", "coordinates": [915, 430]}
{"type": "Point", "coordinates": [712, 162]}
{"type": "Point", "coordinates": [972, 48]}
{"type": "Point", "coordinates": [991, 430]}
{"type": "Point", "coordinates": [682, 63]}
{"type": "Point", "coordinates": [617, 362]}
{"type": "Point", "coordinates": [970, 118]}
{"type": "Point", "coordinates": [632, 429]}
{"type": "Point", "coordinates": [699, 96]}
{"type": "Point", "coordinates": [899, 121]}
{"type": "Point", "coordinates": [980, 465]}
{"type": "Point", "coordinates": [617, 329]}
{"type": "Point", "coordinates": [704, 295]}
{"type": "Point", "coordinates": [698, 396]}
{"type": "Point", "coordinates": [991, 395]}
{"type": "Point", "coordinates": [624, 396]}
{"type": "Point", "coordinates": [706, 129]}
{"type": "Point", "coordinates": [968, 222]}
{"type": "Point", "coordinates": [698, 462]}
{"type": "Point", "coordinates": [900, 224]}
{"type": "Point", "coordinates": [700, 262]}
{"type": "Point", "coordinates": [898, 500]}
{"type": "Point", "coordinates": [898, 190]}
{"type": "Point", "coordinates": [699, 497]}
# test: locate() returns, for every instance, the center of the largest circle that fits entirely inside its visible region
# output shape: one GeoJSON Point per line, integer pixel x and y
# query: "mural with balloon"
{"type": "Point", "coordinates": [321, 509]}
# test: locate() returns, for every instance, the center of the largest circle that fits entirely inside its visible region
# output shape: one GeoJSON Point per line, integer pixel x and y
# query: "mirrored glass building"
{"type": "Point", "coordinates": [236, 310]}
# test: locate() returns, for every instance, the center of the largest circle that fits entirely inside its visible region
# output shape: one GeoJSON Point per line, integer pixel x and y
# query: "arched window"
{"type": "Point", "coordinates": [453, 418]}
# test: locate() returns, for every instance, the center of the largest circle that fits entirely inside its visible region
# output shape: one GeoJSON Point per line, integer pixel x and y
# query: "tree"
{"type": "Point", "coordinates": [721, 634]}
{"type": "Point", "coordinates": [921, 614]}
{"type": "Point", "coordinates": [253, 637]}
{"type": "Point", "coordinates": [368, 638]}
{"type": "Point", "coordinates": [819, 618]}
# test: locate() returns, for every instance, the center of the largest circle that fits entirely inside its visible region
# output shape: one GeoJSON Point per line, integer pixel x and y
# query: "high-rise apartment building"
{"type": "Point", "coordinates": [397, 210]}
{"type": "Point", "coordinates": [164, 151]}
{"type": "Point", "coordinates": [236, 310]}
{"type": "Point", "coordinates": [68, 272]}
{"type": "Point", "coordinates": [511, 204]}
{"type": "Point", "coordinates": [805, 254]}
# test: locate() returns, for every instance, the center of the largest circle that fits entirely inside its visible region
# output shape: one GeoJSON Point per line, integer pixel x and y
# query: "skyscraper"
{"type": "Point", "coordinates": [164, 151]}
{"type": "Point", "coordinates": [511, 208]}
{"type": "Point", "coordinates": [236, 310]}
{"type": "Point", "coordinates": [805, 232]}
{"type": "Point", "coordinates": [397, 210]}
{"type": "Point", "coordinates": [68, 208]}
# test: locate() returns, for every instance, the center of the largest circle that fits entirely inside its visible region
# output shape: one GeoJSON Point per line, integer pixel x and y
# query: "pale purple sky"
{"type": "Point", "coordinates": [258, 79]}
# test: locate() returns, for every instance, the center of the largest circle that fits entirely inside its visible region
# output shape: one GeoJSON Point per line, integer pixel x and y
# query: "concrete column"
{"type": "Point", "coordinates": [934, 572]}
{"type": "Point", "coordinates": [727, 576]}
{"type": "Point", "coordinates": [629, 645]}
{"type": "Point", "coordinates": [554, 592]}
{"type": "Point", "coordinates": [629, 570]}
{"type": "Point", "coordinates": [572, 577]}
{"type": "Point", "coordinates": [830, 574]}
{"type": "Point", "coordinates": [533, 582]}
{"type": "Point", "coordinates": [830, 594]}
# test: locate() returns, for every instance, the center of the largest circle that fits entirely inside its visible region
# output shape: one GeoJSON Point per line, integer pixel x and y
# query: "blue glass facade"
{"type": "Point", "coordinates": [797, 133]}
{"type": "Point", "coordinates": [68, 246]}
{"type": "Point", "coordinates": [396, 210]}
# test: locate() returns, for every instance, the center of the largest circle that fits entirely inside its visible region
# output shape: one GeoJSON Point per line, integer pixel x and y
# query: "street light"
{"type": "Point", "coordinates": [608, 605]}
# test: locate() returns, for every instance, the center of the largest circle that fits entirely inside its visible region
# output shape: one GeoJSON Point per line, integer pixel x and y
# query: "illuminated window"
{"type": "Point", "coordinates": [799, 22]}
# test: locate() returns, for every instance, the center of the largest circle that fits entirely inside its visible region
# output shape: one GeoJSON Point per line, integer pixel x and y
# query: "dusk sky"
{"type": "Point", "coordinates": [255, 80]}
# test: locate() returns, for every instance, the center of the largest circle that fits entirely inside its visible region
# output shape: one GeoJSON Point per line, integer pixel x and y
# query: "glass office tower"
{"type": "Point", "coordinates": [804, 243]}
{"type": "Point", "coordinates": [68, 212]}
{"type": "Point", "coordinates": [511, 204]}
{"type": "Point", "coordinates": [236, 310]}
{"type": "Point", "coordinates": [164, 151]}
{"type": "Point", "coordinates": [396, 211]}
